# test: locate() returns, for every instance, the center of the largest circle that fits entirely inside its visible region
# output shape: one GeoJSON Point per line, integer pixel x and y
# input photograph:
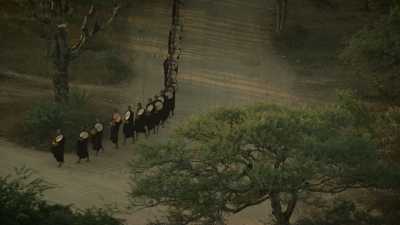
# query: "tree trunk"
{"type": "Point", "coordinates": [61, 84]}
{"type": "Point", "coordinates": [367, 6]}
{"type": "Point", "coordinates": [284, 14]}
{"type": "Point", "coordinates": [282, 217]}
{"type": "Point", "coordinates": [281, 7]}
{"type": "Point", "coordinates": [277, 211]}
{"type": "Point", "coordinates": [277, 15]}
{"type": "Point", "coordinates": [61, 60]}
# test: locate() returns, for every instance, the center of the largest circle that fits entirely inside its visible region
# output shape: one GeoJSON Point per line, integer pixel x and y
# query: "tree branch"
{"type": "Point", "coordinates": [291, 206]}
{"type": "Point", "coordinates": [244, 206]}
{"type": "Point", "coordinates": [87, 35]}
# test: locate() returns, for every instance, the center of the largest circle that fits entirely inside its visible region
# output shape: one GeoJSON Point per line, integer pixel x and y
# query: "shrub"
{"type": "Point", "coordinates": [374, 53]}
{"type": "Point", "coordinates": [21, 197]}
{"type": "Point", "coordinates": [342, 213]}
{"type": "Point", "coordinates": [43, 119]}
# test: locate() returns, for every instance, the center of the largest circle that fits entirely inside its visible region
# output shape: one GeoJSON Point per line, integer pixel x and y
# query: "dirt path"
{"type": "Point", "coordinates": [228, 60]}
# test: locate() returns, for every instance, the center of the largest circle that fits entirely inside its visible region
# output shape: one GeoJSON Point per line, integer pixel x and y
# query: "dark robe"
{"type": "Point", "coordinates": [128, 127]}
{"type": "Point", "coordinates": [97, 140]}
{"type": "Point", "coordinates": [140, 123]}
{"type": "Point", "coordinates": [114, 132]}
{"type": "Point", "coordinates": [150, 117]}
{"type": "Point", "coordinates": [82, 148]}
{"type": "Point", "coordinates": [157, 113]}
{"type": "Point", "coordinates": [171, 104]}
{"type": "Point", "coordinates": [166, 65]}
{"type": "Point", "coordinates": [165, 111]}
{"type": "Point", "coordinates": [58, 151]}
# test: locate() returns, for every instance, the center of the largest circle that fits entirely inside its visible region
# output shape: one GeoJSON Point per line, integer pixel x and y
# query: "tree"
{"type": "Point", "coordinates": [231, 159]}
{"type": "Point", "coordinates": [53, 17]}
{"type": "Point", "coordinates": [374, 53]}
{"type": "Point", "coordinates": [22, 203]}
{"type": "Point", "coordinates": [280, 15]}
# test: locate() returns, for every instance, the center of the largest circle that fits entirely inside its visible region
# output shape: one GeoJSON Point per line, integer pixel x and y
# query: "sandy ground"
{"type": "Point", "coordinates": [228, 60]}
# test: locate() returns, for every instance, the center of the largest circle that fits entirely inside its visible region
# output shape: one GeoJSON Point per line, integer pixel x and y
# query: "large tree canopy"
{"type": "Point", "coordinates": [231, 159]}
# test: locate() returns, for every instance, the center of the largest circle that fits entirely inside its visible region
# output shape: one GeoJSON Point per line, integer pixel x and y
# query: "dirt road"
{"type": "Point", "coordinates": [228, 60]}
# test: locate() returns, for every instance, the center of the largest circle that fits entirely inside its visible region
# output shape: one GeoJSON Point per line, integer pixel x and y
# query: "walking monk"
{"type": "Point", "coordinates": [97, 136]}
{"type": "Point", "coordinates": [82, 146]}
{"type": "Point", "coordinates": [128, 127]}
{"type": "Point", "coordinates": [57, 147]}
{"type": "Point", "coordinates": [140, 121]}
{"type": "Point", "coordinates": [115, 125]}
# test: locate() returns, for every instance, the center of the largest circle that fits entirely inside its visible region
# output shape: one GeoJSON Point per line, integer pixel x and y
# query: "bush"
{"type": "Point", "coordinates": [374, 53]}
{"type": "Point", "coordinates": [21, 197]}
{"type": "Point", "coordinates": [43, 119]}
{"type": "Point", "coordinates": [342, 213]}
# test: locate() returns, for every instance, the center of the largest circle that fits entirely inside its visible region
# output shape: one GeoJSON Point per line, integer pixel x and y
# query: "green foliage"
{"type": "Point", "coordinates": [342, 213]}
{"type": "Point", "coordinates": [387, 128]}
{"type": "Point", "coordinates": [44, 118]}
{"type": "Point", "coordinates": [21, 197]}
{"type": "Point", "coordinates": [231, 159]}
{"type": "Point", "coordinates": [374, 52]}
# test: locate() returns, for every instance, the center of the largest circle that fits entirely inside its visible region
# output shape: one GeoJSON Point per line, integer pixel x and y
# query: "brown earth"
{"type": "Point", "coordinates": [228, 60]}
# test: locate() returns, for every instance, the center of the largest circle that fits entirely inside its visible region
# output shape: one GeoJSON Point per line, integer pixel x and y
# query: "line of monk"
{"type": "Point", "coordinates": [145, 120]}
{"type": "Point", "coordinates": [93, 135]}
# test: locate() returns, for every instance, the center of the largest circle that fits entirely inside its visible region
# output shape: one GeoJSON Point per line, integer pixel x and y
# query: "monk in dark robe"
{"type": "Point", "coordinates": [140, 120]}
{"type": "Point", "coordinates": [167, 71]}
{"type": "Point", "coordinates": [165, 111]}
{"type": "Point", "coordinates": [128, 127]}
{"type": "Point", "coordinates": [150, 116]}
{"type": "Point", "coordinates": [93, 136]}
{"type": "Point", "coordinates": [171, 100]}
{"type": "Point", "coordinates": [116, 121]}
{"type": "Point", "coordinates": [82, 146]}
{"type": "Point", "coordinates": [158, 106]}
{"type": "Point", "coordinates": [97, 136]}
{"type": "Point", "coordinates": [57, 147]}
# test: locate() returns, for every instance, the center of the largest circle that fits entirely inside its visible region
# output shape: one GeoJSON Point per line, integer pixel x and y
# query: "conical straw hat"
{"type": "Point", "coordinates": [98, 127]}
{"type": "Point", "coordinates": [84, 135]}
{"type": "Point", "coordinates": [127, 115]}
{"type": "Point", "coordinates": [140, 112]}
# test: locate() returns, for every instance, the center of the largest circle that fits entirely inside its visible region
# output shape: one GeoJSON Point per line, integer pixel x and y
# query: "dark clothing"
{"type": "Point", "coordinates": [97, 141]}
{"type": "Point", "coordinates": [114, 132]}
{"type": "Point", "coordinates": [58, 151]}
{"type": "Point", "coordinates": [165, 110]}
{"type": "Point", "coordinates": [128, 127]}
{"type": "Point", "coordinates": [166, 72]}
{"type": "Point", "coordinates": [158, 114]}
{"type": "Point", "coordinates": [140, 123]}
{"type": "Point", "coordinates": [150, 117]}
{"type": "Point", "coordinates": [171, 104]}
{"type": "Point", "coordinates": [82, 148]}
